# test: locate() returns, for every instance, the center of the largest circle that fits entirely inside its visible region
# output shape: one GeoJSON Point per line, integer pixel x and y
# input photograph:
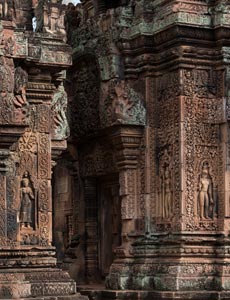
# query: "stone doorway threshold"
{"type": "Point", "coordinates": [98, 292]}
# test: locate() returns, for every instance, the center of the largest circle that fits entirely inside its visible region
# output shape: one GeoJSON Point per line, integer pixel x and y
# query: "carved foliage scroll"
{"type": "Point", "coordinates": [84, 104]}
{"type": "Point", "coordinates": [128, 193]}
{"type": "Point", "coordinates": [43, 156]}
{"type": "Point", "coordinates": [167, 131]}
{"type": "Point", "coordinates": [203, 111]}
{"type": "Point", "coordinates": [97, 159]}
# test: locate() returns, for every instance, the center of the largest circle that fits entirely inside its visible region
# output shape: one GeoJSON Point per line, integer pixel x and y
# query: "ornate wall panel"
{"type": "Point", "coordinates": [85, 92]}
{"type": "Point", "coordinates": [203, 112]}
{"type": "Point", "coordinates": [167, 131]}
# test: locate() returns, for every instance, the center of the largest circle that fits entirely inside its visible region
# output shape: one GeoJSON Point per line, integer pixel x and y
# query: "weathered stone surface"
{"type": "Point", "coordinates": [32, 115]}
{"type": "Point", "coordinates": [149, 107]}
{"type": "Point", "coordinates": [141, 183]}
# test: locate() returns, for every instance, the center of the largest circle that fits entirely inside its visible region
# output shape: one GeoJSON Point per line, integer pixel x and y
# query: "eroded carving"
{"type": "Point", "coordinates": [122, 105]}
{"type": "Point", "coordinates": [60, 124]}
{"type": "Point", "coordinates": [50, 17]}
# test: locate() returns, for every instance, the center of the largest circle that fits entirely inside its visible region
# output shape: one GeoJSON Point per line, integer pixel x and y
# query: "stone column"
{"type": "Point", "coordinates": [126, 141]}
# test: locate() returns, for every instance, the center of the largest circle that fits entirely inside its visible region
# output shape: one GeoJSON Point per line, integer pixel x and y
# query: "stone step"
{"type": "Point", "coordinates": [96, 294]}
{"type": "Point", "coordinates": [67, 297]}
{"type": "Point", "coordinates": [37, 284]}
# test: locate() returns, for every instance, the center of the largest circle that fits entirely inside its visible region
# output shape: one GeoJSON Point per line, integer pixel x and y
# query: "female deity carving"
{"type": "Point", "coordinates": [26, 197]}
{"type": "Point", "coordinates": [165, 200]}
{"type": "Point", "coordinates": [166, 193]}
{"type": "Point", "coordinates": [206, 203]}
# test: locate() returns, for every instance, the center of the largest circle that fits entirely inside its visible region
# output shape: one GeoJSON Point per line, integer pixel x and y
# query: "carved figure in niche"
{"type": "Point", "coordinates": [59, 106]}
{"type": "Point", "coordinates": [165, 203]}
{"type": "Point", "coordinates": [166, 193]}
{"type": "Point", "coordinates": [206, 202]}
{"type": "Point", "coordinates": [26, 197]}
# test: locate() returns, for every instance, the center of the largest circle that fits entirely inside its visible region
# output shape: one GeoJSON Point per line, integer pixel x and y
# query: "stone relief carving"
{"type": "Point", "coordinates": [19, 100]}
{"type": "Point", "coordinates": [166, 193]}
{"type": "Point", "coordinates": [84, 102]}
{"type": "Point", "coordinates": [50, 17]}
{"type": "Point", "coordinates": [14, 108]}
{"type": "Point", "coordinates": [60, 124]}
{"type": "Point", "coordinates": [26, 197]}
{"type": "Point", "coordinates": [97, 159]}
{"type": "Point", "coordinates": [122, 105]}
{"type": "Point", "coordinates": [203, 112]}
{"type": "Point", "coordinates": [20, 82]}
{"type": "Point", "coordinates": [164, 126]}
{"type": "Point", "coordinates": [165, 197]}
{"type": "Point", "coordinates": [206, 202]}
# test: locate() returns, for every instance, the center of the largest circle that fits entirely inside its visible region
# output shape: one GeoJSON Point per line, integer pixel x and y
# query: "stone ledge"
{"type": "Point", "coordinates": [38, 284]}
{"type": "Point", "coordinates": [153, 295]}
{"type": "Point", "coordinates": [72, 297]}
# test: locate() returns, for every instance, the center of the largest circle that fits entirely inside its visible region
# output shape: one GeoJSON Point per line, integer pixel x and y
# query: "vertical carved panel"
{"type": "Point", "coordinates": [3, 218]}
{"type": "Point", "coordinates": [85, 103]}
{"type": "Point", "coordinates": [203, 156]}
{"type": "Point", "coordinates": [44, 156]}
{"type": "Point", "coordinates": [43, 196]}
{"type": "Point", "coordinates": [128, 193]}
{"type": "Point", "coordinates": [168, 159]}
{"type": "Point", "coordinates": [43, 113]}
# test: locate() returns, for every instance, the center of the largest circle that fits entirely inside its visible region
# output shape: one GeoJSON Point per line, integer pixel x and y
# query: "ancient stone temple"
{"type": "Point", "coordinates": [115, 149]}
{"type": "Point", "coordinates": [33, 131]}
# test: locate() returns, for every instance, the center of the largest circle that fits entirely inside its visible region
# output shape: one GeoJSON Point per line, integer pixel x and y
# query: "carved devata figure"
{"type": "Point", "coordinates": [26, 198]}
{"type": "Point", "coordinates": [59, 107]}
{"type": "Point", "coordinates": [165, 199]}
{"type": "Point", "coordinates": [207, 195]}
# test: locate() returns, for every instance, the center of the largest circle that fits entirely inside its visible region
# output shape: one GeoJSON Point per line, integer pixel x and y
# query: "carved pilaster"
{"type": "Point", "coordinates": [126, 141]}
